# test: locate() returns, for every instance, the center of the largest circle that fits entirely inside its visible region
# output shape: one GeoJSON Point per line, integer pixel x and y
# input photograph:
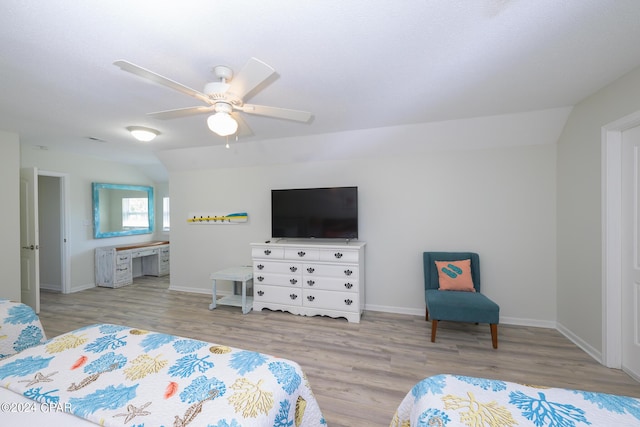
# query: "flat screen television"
{"type": "Point", "coordinates": [328, 213]}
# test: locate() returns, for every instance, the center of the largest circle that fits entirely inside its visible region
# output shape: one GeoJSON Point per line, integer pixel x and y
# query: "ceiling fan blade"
{"type": "Point", "coordinates": [157, 78]}
{"type": "Point", "coordinates": [243, 128]}
{"type": "Point", "coordinates": [182, 112]}
{"type": "Point", "coordinates": [280, 113]}
{"type": "Point", "coordinates": [252, 74]}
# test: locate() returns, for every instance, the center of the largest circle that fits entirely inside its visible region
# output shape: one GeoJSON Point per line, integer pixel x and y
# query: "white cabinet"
{"type": "Point", "coordinates": [113, 268]}
{"type": "Point", "coordinates": [116, 266]}
{"type": "Point", "coordinates": [155, 263]}
{"type": "Point", "coordinates": [310, 278]}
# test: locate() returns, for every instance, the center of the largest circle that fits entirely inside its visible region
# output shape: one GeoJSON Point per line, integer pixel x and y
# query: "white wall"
{"type": "Point", "coordinates": [10, 224]}
{"type": "Point", "coordinates": [160, 191]}
{"type": "Point", "coordinates": [82, 172]}
{"type": "Point", "coordinates": [579, 209]}
{"type": "Point", "coordinates": [498, 201]}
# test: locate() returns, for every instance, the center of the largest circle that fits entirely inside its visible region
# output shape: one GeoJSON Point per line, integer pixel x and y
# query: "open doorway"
{"type": "Point", "coordinates": [52, 221]}
{"type": "Point", "coordinates": [613, 142]}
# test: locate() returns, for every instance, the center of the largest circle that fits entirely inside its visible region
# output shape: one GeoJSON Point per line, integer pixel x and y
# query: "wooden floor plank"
{"type": "Point", "coordinates": [359, 372]}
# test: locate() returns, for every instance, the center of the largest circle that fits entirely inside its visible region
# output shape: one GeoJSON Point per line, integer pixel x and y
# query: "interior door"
{"type": "Point", "coordinates": [29, 239]}
{"type": "Point", "coordinates": [630, 309]}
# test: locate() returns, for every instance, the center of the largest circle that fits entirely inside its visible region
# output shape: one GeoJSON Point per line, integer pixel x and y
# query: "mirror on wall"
{"type": "Point", "coordinates": [122, 210]}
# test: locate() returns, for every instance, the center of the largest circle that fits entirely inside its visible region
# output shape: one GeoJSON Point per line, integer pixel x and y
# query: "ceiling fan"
{"type": "Point", "coordinates": [222, 98]}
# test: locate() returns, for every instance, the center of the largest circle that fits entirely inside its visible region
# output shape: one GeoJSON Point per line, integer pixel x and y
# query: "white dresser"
{"type": "Point", "coordinates": [310, 278]}
{"type": "Point", "coordinates": [116, 266]}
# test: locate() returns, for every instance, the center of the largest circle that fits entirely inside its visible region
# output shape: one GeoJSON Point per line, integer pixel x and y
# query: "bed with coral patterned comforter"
{"type": "Point", "coordinates": [118, 376]}
{"type": "Point", "coordinates": [451, 400]}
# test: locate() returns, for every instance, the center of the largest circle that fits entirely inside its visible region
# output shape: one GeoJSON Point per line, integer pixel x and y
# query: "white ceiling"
{"type": "Point", "coordinates": [354, 64]}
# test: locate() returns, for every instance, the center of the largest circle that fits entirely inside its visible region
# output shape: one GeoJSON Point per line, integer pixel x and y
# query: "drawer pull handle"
{"type": "Point", "coordinates": [260, 278]}
{"type": "Point", "coordinates": [348, 301]}
{"type": "Point", "coordinates": [311, 282]}
{"type": "Point", "coordinates": [348, 272]}
{"type": "Point", "coordinates": [293, 281]}
{"type": "Point", "coordinates": [267, 251]}
{"type": "Point", "coordinates": [311, 298]}
{"type": "Point", "coordinates": [260, 266]}
{"type": "Point", "coordinates": [338, 255]}
{"type": "Point", "coordinates": [293, 296]}
{"type": "Point", "coordinates": [293, 269]}
{"type": "Point", "coordinates": [310, 270]}
{"type": "Point", "coordinates": [301, 254]}
{"type": "Point", "coordinates": [260, 293]}
{"type": "Point", "coordinates": [348, 285]}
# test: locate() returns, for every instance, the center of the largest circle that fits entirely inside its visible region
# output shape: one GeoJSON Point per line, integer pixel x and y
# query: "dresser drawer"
{"type": "Point", "coordinates": [164, 266]}
{"type": "Point", "coordinates": [331, 284]}
{"type": "Point", "coordinates": [267, 252]}
{"type": "Point", "coordinates": [277, 294]}
{"type": "Point", "coordinates": [123, 275]}
{"type": "Point", "coordinates": [310, 254]}
{"type": "Point", "coordinates": [123, 258]}
{"type": "Point", "coordinates": [123, 270]}
{"type": "Point", "coordinates": [324, 270]}
{"type": "Point", "coordinates": [336, 255]}
{"type": "Point", "coordinates": [277, 279]}
{"type": "Point", "coordinates": [260, 267]}
{"type": "Point", "coordinates": [329, 300]}
{"type": "Point", "coordinates": [137, 253]}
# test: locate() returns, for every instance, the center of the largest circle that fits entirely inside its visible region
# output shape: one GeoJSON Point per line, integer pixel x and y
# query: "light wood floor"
{"type": "Point", "coordinates": [359, 372]}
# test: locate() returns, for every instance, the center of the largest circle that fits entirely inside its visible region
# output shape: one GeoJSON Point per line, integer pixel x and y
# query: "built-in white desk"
{"type": "Point", "coordinates": [116, 266]}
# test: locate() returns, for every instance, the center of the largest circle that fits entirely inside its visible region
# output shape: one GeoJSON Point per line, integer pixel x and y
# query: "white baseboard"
{"type": "Point", "coordinates": [503, 320]}
{"type": "Point", "coordinates": [517, 321]}
{"type": "Point", "coordinates": [50, 287]}
{"type": "Point", "coordinates": [632, 374]}
{"type": "Point", "coordinates": [82, 287]}
{"type": "Point", "coordinates": [397, 310]}
{"type": "Point", "coordinates": [597, 355]}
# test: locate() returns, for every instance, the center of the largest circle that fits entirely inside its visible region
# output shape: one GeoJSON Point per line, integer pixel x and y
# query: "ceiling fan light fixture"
{"type": "Point", "coordinates": [142, 133]}
{"type": "Point", "coordinates": [222, 124]}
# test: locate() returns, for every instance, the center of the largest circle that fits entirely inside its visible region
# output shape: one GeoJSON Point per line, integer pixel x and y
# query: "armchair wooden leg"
{"type": "Point", "coordinates": [494, 335]}
{"type": "Point", "coordinates": [434, 327]}
{"type": "Point", "coordinates": [426, 314]}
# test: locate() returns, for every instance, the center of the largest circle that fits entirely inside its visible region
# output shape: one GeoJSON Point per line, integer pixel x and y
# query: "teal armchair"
{"type": "Point", "coordinates": [457, 306]}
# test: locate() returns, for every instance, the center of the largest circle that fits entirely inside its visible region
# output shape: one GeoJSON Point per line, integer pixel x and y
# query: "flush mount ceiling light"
{"type": "Point", "coordinates": [142, 133]}
{"type": "Point", "coordinates": [221, 122]}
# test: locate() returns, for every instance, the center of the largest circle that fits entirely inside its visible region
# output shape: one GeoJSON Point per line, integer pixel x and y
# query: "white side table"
{"type": "Point", "coordinates": [235, 274]}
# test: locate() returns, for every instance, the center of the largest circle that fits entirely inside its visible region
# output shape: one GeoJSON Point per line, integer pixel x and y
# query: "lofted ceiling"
{"type": "Point", "coordinates": [353, 64]}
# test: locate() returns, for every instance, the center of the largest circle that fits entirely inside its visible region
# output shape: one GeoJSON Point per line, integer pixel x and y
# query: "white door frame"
{"type": "Point", "coordinates": [64, 227]}
{"type": "Point", "coordinates": [612, 238]}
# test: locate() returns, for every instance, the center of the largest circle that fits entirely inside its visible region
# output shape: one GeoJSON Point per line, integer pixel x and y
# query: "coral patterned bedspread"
{"type": "Point", "coordinates": [451, 400]}
{"type": "Point", "coordinates": [118, 376]}
{"type": "Point", "coordinates": [20, 328]}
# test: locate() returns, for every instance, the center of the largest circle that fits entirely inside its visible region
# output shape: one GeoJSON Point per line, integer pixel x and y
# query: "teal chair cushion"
{"type": "Point", "coordinates": [461, 306]}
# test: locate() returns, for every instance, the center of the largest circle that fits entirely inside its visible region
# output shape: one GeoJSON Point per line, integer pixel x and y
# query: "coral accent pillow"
{"type": "Point", "coordinates": [455, 275]}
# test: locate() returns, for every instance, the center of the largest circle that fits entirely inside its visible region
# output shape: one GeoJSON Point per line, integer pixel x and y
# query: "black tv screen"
{"type": "Point", "coordinates": [330, 213]}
